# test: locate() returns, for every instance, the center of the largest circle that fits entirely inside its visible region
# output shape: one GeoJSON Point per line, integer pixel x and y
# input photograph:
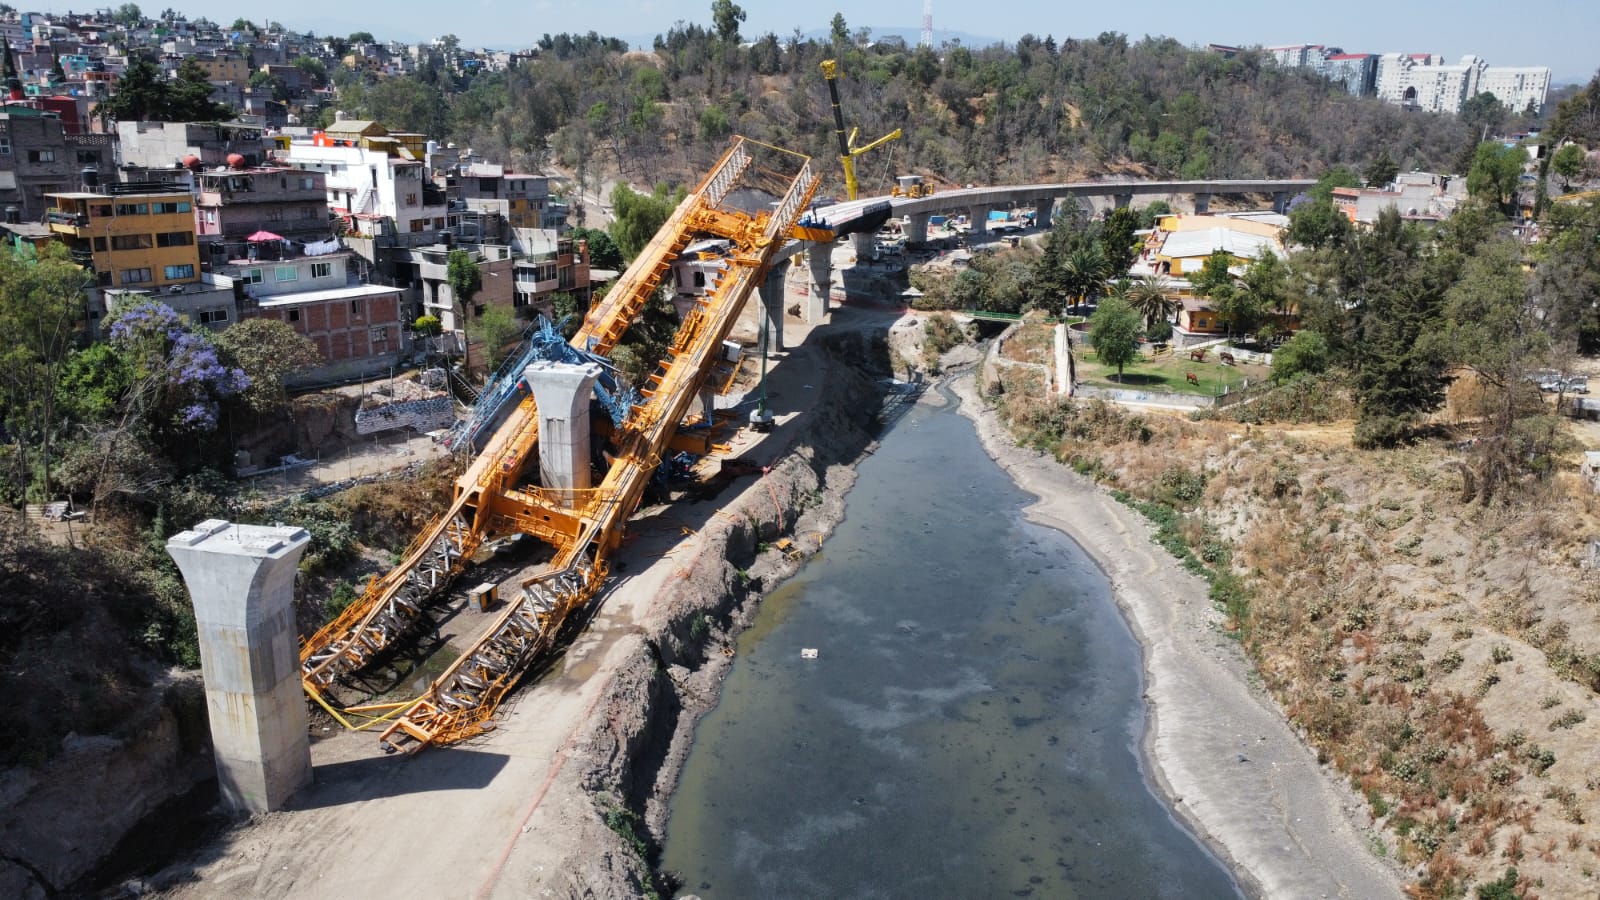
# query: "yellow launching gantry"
{"type": "Point", "coordinates": [582, 528]}
{"type": "Point", "coordinates": [848, 151]}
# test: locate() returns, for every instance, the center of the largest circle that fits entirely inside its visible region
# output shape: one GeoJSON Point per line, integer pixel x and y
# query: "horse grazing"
{"type": "Point", "coordinates": [1198, 355]}
{"type": "Point", "coordinates": [1193, 378]}
{"type": "Point", "coordinates": [1227, 358]}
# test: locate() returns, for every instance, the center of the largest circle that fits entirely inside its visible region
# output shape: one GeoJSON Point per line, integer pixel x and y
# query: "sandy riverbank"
{"type": "Point", "coordinates": [1216, 744]}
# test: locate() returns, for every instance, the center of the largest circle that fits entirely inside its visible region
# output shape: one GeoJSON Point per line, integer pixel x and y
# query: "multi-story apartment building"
{"type": "Point", "coordinates": [520, 198]}
{"type": "Point", "coordinates": [1357, 72]}
{"type": "Point", "coordinates": [376, 182]}
{"type": "Point", "coordinates": [135, 236]}
{"type": "Point", "coordinates": [162, 145]}
{"type": "Point", "coordinates": [358, 328]}
{"type": "Point", "coordinates": [233, 204]}
{"type": "Point", "coordinates": [1424, 81]}
{"type": "Point", "coordinates": [39, 155]}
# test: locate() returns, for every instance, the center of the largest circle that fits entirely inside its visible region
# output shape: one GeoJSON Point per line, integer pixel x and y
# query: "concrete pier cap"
{"type": "Point", "coordinates": [241, 581]}
{"type": "Point", "coordinates": [563, 392]}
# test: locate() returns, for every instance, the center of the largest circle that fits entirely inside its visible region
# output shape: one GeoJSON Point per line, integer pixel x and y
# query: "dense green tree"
{"type": "Point", "coordinates": [1118, 241]}
{"type": "Point", "coordinates": [267, 351]}
{"type": "Point", "coordinates": [1566, 276]}
{"type": "Point", "coordinates": [495, 329]}
{"type": "Point", "coordinates": [465, 279]}
{"type": "Point", "coordinates": [1304, 354]}
{"type": "Point", "coordinates": [41, 317]}
{"type": "Point", "coordinates": [637, 217]}
{"type": "Point", "coordinates": [603, 251]}
{"type": "Point", "coordinates": [1485, 113]}
{"type": "Point", "coordinates": [1114, 332]}
{"type": "Point", "coordinates": [727, 16]}
{"type": "Point", "coordinates": [1568, 163]}
{"type": "Point", "coordinates": [1382, 170]}
{"type": "Point", "coordinates": [1496, 172]}
{"type": "Point", "coordinates": [1153, 298]}
{"type": "Point", "coordinates": [128, 15]}
{"type": "Point", "coordinates": [361, 37]}
{"type": "Point", "coordinates": [1151, 214]}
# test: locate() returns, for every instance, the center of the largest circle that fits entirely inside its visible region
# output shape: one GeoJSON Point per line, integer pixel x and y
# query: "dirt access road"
{"type": "Point", "coordinates": [450, 821]}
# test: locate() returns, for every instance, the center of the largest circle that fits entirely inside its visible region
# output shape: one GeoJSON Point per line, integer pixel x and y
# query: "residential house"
{"type": "Point", "coordinates": [163, 145]}
{"type": "Point", "coordinates": [233, 204]}
{"type": "Point", "coordinates": [136, 236]}
{"type": "Point", "coordinates": [358, 328]}
{"type": "Point", "coordinates": [39, 156]}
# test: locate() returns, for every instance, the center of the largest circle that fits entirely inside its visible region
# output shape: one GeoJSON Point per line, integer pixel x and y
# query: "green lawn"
{"type": "Point", "coordinates": [1167, 373]}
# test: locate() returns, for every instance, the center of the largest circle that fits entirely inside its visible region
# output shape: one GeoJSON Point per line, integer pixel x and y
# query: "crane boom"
{"type": "Point", "coordinates": [848, 151]}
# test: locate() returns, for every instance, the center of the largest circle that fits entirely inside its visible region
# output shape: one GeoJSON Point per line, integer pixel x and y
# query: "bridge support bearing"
{"type": "Point", "coordinates": [563, 392]}
{"type": "Point", "coordinates": [1043, 211]}
{"type": "Point", "coordinates": [772, 297]}
{"type": "Point", "coordinates": [241, 582]}
{"type": "Point", "coordinates": [917, 228]}
{"type": "Point", "coordinates": [819, 259]}
{"type": "Point", "coordinates": [1202, 204]}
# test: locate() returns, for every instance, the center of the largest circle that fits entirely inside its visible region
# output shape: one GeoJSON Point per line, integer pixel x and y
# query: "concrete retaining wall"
{"type": "Point", "coordinates": [423, 415]}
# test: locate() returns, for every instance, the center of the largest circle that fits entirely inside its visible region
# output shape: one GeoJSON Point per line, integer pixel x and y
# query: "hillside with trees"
{"type": "Point", "coordinates": [1038, 109]}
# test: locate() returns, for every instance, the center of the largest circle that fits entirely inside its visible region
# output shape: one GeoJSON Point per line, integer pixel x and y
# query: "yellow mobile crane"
{"type": "Point", "coordinates": [848, 151]}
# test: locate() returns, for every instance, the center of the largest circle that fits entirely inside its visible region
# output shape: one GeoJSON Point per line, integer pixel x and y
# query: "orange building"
{"type": "Point", "coordinates": [138, 236]}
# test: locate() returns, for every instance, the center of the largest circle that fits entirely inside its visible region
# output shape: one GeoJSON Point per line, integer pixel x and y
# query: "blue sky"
{"type": "Point", "coordinates": [1557, 33]}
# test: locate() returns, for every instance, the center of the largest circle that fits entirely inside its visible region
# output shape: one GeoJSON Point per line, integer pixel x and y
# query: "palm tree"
{"type": "Point", "coordinates": [1084, 273]}
{"type": "Point", "coordinates": [1150, 296]}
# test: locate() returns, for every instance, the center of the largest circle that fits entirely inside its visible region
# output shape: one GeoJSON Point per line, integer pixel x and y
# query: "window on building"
{"type": "Point", "coordinates": [99, 245]}
{"type": "Point", "coordinates": [355, 309]}
{"type": "Point", "coordinates": [211, 217]}
{"type": "Point", "coordinates": [100, 211]}
{"type": "Point", "coordinates": [178, 206]}
{"type": "Point", "coordinates": [308, 183]}
{"type": "Point", "coordinates": [136, 276]}
{"type": "Point", "coordinates": [378, 335]}
{"type": "Point", "coordinates": [418, 224]}
{"type": "Point", "coordinates": [275, 215]}
{"type": "Point", "coordinates": [308, 212]}
{"type": "Point", "coordinates": [175, 239]}
{"type": "Point", "coordinates": [132, 241]}
{"type": "Point", "coordinates": [133, 209]}
{"type": "Point", "coordinates": [411, 199]}
{"type": "Point", "coordinates": [5, 146]}
{"type": "Point", "coordinates": [439, 222]}
{"type": "Point", "coordinates": [211, 316]}
{"type": "Point", "coordinates": [184, 271]}
{"type": "Point", "coordinates": [321, 270]}
{"type": "Point", "coordinates": [88, 158]}
{"type": "Point", "coordinates": [251, 276]}
{"type": "Point", "coordinates": [285, 273]}
{"type": "Point", "coordinates": [294, 315]}
{"type": "Point", "coordinates": [41, 156]}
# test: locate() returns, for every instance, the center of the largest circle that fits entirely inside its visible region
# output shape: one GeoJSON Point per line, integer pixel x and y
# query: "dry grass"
{"type": "Point", "coordinates": [1412, 637]}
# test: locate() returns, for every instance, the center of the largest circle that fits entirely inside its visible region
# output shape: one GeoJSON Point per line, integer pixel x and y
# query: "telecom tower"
{"type": "Point", "coordinates": [927, 24]}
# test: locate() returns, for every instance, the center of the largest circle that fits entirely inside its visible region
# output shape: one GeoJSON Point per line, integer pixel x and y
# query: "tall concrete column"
{"type": "Point", "coordinates": [563, 392]}
{"type": "Point", "coordinates": [978, 217]}
{"type": "Point", "coordinates": [1043, 210]}
{"type": "Point", "coordinates": [863, 242]}
{"type": "Point", "coordinates": [772, 297]}
{"type": "Point", "coordinates": [819, 260]}
{"type": "Point", "coordinates": [1202, 204]}
{"type": "Point", "coordinates": [917, 228]}
{"type": "Point", "coordinates": [1280, 202]}
{"type": "Point", "coordinates": [241, 581]}
{"type": "Point", "coordinates": [1122, 201]}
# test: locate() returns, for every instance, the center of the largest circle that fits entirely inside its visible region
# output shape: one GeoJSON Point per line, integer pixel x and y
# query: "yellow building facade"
{"type": "Point", "coordinates": [136, 241]}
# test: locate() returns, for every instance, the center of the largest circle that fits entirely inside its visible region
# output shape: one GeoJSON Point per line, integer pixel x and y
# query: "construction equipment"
{"type": "Point", "coordinates": [848, 151]}
{"type": "Point", "coordinates": [911, 186]}
{"type": "Point", "coordinates": [582, 528]}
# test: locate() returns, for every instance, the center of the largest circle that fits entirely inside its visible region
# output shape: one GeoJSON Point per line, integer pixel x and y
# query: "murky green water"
{"type": "Point", "coordinates": [968, 729]}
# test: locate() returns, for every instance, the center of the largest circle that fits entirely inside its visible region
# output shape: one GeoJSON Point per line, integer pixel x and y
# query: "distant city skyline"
{"type": "Point", "coordinates": [1560, 36]}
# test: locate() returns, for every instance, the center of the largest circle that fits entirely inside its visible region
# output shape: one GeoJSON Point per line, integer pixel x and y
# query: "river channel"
{"type": "Point", "coordinates": [969, 726]}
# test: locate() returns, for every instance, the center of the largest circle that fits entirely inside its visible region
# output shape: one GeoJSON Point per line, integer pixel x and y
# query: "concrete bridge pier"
{"type": "Point", "coordinates": [1122, 201]}
{"type": "Point", "coordinates": [563, 392]}
{"type": "Point", "coordinates": [241, 581]}
{"type": "Point", "coordinates": [978, 220]}
{"type": "Point", "coordinates": [772, 297]}
{"type": "Point", "coordinates": [1280, 202]}
{"type": "Point", "coordinates": [917, 228]}
{"type": "Point", "coordinates": [1043, 210]}
{"type": "Point", "coordinates": [819, 260]}
{"type": "Point", "coordinates": [863, 243]}
{"type": "Point", "coordinates": [1202, 204]}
